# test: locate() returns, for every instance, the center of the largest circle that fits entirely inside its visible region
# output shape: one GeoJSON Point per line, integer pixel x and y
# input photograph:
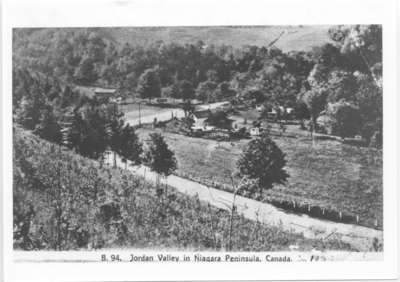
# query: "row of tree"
{"type": "Point", "coordinates": [88, 127]}
{"type": "Point", "coordinates": [85, 56]}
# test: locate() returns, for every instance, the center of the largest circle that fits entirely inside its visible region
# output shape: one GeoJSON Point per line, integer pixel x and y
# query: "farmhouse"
{"type": "Point", "coordinates": [255, 131]}
{"type": "Point", "coordinates": [282, 112]}
{"type": "Point", "coordinates": [103, 93]}
{"type": "Point", "coordinates": [200, 121]}
{"type": "Point", "coordinates": [99, 93]}
{"type": "Point", "coordinates": [207, 120]}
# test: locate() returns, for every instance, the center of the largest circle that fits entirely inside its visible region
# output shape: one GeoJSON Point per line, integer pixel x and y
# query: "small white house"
{"type": "Point", "coordinates": [255, 131]}
{"type": "Point", "coordinates": [199, 118]}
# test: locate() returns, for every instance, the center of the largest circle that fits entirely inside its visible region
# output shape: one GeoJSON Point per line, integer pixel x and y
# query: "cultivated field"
{"type": "Point", "coordinates": [331, 175]}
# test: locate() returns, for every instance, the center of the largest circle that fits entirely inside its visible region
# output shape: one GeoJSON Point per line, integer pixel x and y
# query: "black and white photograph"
{"type": "Point", "coordinates": [255, 143]}
{"type": "Point", "coordinates": [198, 138]}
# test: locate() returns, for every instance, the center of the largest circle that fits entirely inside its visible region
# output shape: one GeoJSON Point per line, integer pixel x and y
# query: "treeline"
{"type": "Point", "coordinates": [64, 116]}
{"type": "Point", "coordinates": [342, 78]}
{"type": "Point", "coordinates": [84, 57]}
{"type": "Point", "coordinates": [62, 201]}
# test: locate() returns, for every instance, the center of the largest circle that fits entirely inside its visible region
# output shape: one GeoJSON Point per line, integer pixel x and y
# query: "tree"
{"type": "Point", "coordinates": [342, 85]}
{"type": "Point", "coordinates": [254, 66]}
{"type": "Point", "coordinates": [255, 95]}
{"type": "Point", "coordinates": [205, 91]}
{"type": "Point", "coordinates": [369, 101]}
{"type": "Point", "coordinates": [263, 161]}
{"type": "Point", "coordinates": [88, 134]}
{"type": "Point", "coordinates": [345, 117]}
{"type": "Point", "coordinates": [224, 91]}
{"type": "Point", "coordinates": [159, 157]}
{"type": "Point", "coordinates": [212, 75]}
{"type": "Point", "coordinates": [85, 73]}
{"type": "Point", "coordinates": [114, 130]}
{"type": "Point", "coordinates": [48, 128]}
{"type": "Point", "coordinates": [186, 90]}
{"type": "Point", "coordinates": [171, 91]}
{"type": "Point", "coordinates": [187, 108]}
{"type": "Point", "coordinates": [149, 85]}
{"type": "Point", "coordinates": [130, 148]}
{"type": "Point", "coordinates": [68, 97]}
{"type": "Point", "coordinates": [219, 119]}
{"type": "Point", "coordinates": [301, 112]}
{"type": "Point", "coordinates": [364, 42]}
{"type": "Point", "coordinates": [55, 91]}
{"type": "Point", "coordinates": [32, 103]}
{"type": "Point", "coordinates": [315, 99]}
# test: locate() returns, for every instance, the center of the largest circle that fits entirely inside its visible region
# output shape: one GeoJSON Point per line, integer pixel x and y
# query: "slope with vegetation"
{"type": "Point", "coordinates": [343, 74]}
{"type": "Point", "coordinates": [341, 79]}
{"type": "Point", "coordinates": [328, 175]}
{"type": "Point", "coordinates": [63, 201]}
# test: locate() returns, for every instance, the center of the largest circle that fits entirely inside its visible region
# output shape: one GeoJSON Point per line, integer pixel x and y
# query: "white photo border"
{"type": "Point", "coordinates": [96, 13]}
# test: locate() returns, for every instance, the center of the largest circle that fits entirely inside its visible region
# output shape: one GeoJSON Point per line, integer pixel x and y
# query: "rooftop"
{"type": "Point", "coordinates": [91, 91]}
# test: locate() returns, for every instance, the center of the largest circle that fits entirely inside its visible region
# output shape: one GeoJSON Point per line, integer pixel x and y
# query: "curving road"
{"type": "Point", "coordinates": [358, 236]}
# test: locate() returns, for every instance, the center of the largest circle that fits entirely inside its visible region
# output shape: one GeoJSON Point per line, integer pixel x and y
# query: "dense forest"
{"type": "Point", "coordinates": [341, 78]}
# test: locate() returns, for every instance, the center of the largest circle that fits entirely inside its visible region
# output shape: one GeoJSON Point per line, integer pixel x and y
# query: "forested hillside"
{"type": "Point", "coordinates": [342, 78]}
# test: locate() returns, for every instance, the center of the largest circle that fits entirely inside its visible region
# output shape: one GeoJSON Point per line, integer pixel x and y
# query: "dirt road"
{"type": "Point", "coordinates": [358, 236]}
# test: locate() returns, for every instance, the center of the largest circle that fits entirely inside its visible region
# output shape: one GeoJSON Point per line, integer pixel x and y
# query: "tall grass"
{"type": "Point", "coordinates": [63, 201]}
{"type": "Point", "coordinates": [330, 175]}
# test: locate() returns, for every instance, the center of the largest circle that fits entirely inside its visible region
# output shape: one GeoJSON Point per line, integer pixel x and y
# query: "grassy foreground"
{"type": "Point", "coordinates": [63, 201]}
{"type": "Point", "coordinates": [330, 174]}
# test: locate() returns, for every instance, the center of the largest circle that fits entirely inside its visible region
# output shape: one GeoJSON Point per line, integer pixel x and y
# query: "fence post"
{"type": "Point", "coordinates": [309, 208]}
{"type": "Point", "coordinates": [323, 211]}
{"type": "Point", "coordinates": [340, 215]}
{"type": "Point", "coordinates": [376, 222]}
{"type": "Point", "coordinates": [357, 219]}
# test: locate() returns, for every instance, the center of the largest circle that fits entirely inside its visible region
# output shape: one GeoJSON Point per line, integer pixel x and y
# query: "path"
{"type": "Point", "coordinates": [358, 236]}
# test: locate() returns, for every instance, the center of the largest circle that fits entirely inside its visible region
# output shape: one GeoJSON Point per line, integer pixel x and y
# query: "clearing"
{"type": "Point", "coordinates": [148, 113]}
{"type": "Point", "coordinates": [330, 175]}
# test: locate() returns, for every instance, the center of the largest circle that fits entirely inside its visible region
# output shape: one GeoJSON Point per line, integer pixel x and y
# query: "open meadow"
{"type": "Point", "coordinates": [148, 113]}
{"type": "Point", "coordinates": [330, 174]}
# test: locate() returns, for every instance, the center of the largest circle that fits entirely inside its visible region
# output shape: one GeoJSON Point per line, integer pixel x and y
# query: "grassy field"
{"type": "Point", "coordinates": [63, 201]}
{"type": "Point", "coordinates": [331, 175]}
{"type": "Point", "coordinates": [300, 38]}
{"type": "Point", "coordinates": [131, 111]}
